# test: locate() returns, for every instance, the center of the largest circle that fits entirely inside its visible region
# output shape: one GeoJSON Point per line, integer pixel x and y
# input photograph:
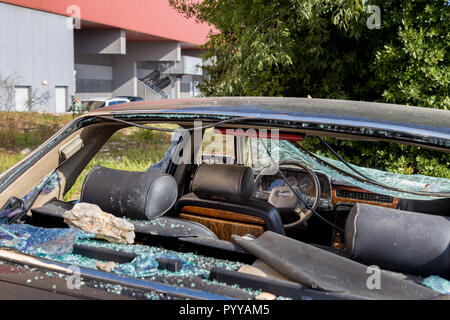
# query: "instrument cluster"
{"type": "Point", "coordinates": [300, 179]}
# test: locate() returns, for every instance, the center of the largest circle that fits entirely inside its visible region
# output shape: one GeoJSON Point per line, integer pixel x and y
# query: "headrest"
{"type": "Point", "coordinates": [233, 183]}
{"type": "Point", "coordinates": [136, 195]}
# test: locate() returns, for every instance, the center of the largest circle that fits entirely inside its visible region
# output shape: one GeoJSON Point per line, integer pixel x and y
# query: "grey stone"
{"type": "Point", "coordinates": [90, 218]}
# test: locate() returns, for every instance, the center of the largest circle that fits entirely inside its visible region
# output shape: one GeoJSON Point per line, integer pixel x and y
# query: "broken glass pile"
{"type": "Point", "coordinates": [49, 243]}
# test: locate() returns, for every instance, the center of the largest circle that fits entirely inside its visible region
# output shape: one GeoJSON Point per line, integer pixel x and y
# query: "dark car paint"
{"type": "Point", "coordinates": [20, 282]}
{"type": "Point", "coordinates": [282, 108]}
{"type": "Point", "coordinates": [428, 127]}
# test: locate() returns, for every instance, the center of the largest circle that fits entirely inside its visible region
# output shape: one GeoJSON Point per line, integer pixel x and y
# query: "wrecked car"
{"type": "Point", "coordinates": [237, 208]}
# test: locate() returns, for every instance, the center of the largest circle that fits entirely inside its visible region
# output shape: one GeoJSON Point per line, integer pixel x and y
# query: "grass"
{"type": "Point", "coordinates": [20, 131]}
{"type": "Point", "coordinates": [129, 149]}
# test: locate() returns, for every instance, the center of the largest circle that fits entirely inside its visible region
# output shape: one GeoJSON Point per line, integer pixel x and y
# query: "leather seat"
{"type": "Point", "coordinates": [229, 188]}
{"type": "Point", "coordinates": [402, 241]}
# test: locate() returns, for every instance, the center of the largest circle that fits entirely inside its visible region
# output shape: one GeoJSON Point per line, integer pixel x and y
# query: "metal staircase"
{"type": "Point", "coordinates": [147, 93]}
{"type": "Point", "coordinates": [155, 82]}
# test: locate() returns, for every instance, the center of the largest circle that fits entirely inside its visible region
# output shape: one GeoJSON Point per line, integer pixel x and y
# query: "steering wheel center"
{"type": "Point", "coordinates": [288, 198]}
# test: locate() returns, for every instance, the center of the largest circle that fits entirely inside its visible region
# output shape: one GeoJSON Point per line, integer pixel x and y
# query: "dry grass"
{"type": "Point", "coordinates": [25, 130]}
{"type": "Point", "coordinates": [129, 149]}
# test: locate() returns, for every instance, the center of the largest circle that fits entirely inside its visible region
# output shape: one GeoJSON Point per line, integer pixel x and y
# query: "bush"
{"type": "Point", "coordinates": [325, 49]}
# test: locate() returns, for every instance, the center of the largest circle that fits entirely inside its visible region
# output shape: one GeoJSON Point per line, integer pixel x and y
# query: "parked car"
{"type": "Point", "coordinates": [131, 98]}
{"type": "Point", "coordinates": [87, 105]}
{"type": "Point", "coordinates": [237, 207]}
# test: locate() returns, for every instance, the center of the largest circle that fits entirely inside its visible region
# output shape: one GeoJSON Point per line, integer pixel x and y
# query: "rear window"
{"type": "Point", "coordinates": [217, 148]}
{"type": "Point", "coordinates": [91, 105]}
{"type": "Point", "coordinates": [113, 103]}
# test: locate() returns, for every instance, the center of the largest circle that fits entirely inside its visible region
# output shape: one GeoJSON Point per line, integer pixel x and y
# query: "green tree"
{"type": "Point", "coordinates": [328, 49]}
{"type": "Point", "coordinates": [413, 66]}
{"type": "Point", "coordinates": [324, 48]}
{"type": "Point", "coordinates": [281, 48]}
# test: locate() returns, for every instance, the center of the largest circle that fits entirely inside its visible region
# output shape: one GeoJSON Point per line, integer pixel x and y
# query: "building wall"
{"type": "Point", "coordinates": [45, 55]}
{"type": "Point", "coordinates": [37, 48]}
{"type": "Point", "coordinates": [94, 75]}
{"type": "Point", "coordinates": [91, 41]}
{"type": "Point", "coordinates": [105, 75]}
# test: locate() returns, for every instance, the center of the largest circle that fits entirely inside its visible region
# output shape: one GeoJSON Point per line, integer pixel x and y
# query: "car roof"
{"type": "Point", "coordinates": [297, 108]}
{"type": "Point", "coordinates": [423, 127]}
{"type": "Point", "coordinates": [94, 99]}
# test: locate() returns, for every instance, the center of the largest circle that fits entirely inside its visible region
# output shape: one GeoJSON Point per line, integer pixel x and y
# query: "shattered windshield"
{"type": "Point", "coordinates": [257, 157]}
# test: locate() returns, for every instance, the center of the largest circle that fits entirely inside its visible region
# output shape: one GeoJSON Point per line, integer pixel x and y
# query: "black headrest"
{"type": "Point", "coordinates": [136, 195]}
{"type": "Point", "coordinates": [230, 182]}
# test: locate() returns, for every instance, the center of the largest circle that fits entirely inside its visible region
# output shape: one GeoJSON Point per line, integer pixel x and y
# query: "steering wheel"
{"type": "Point", "coordinates": [285, 200]}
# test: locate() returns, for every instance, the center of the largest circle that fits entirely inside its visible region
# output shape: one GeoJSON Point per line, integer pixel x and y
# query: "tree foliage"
{"type": "Point", "coordinates": [391, 157]}
{"type": "Point", "coordinates": [325, 49]}
{"type": "Point", "coordinates": [413, 64]}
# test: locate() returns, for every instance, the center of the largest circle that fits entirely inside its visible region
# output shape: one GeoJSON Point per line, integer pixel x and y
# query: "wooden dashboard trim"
{"type": "Point", "coordinates": [336, 199]}
{"type": "Point", "coordinates": [222, 214]}
{"type": "Point", "coordinates": [224, 229]}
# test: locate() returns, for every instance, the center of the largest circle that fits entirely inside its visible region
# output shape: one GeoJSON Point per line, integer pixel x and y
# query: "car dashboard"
{"type": "Point", "coordinates": [332, 193]}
